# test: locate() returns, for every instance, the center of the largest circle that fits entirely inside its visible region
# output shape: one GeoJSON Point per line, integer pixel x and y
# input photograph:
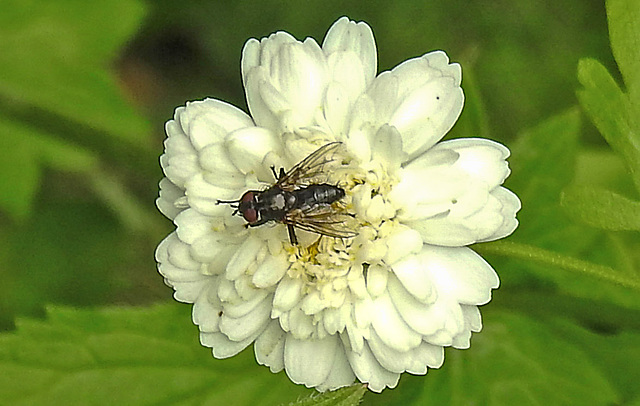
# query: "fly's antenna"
{"type": "Point", "coordinates": [227, 201]}
{"type": "Point", "coordinates": [232, 203]}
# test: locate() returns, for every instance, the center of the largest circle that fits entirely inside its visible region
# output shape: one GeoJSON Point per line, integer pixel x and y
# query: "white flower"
{"type": "Point", "coordinates": [330, 312]}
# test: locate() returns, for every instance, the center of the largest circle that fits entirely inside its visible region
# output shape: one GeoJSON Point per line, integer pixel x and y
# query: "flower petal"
{"type": "Point", "coordinates": [285, 81]}
{"type": "Point", "coordinates": [168, 201]}
{"type": "Point", "coordinates": [269, 347]}
{"type": "Point", "coordinates": [451, 194]}
{"type": "Point", "coordinates": [347, 36]}
{"type": "Point", "coordinates": [368, 370]}
{"type": "Point", "coordinates": [207, 309]}
{"type": "Point", "coordinates": [459, 273]}
{"type": "Point", "coordinates": [222, 346]}
{"type": "Point", "coordinates": [421, 97]}
{"type": "Point", "coordinates": [271, 271]}
{"type": "Point", "coordinates": [340, 373]}
{"type": "Point", "coordinates": [411, 273]}
{"type": "Point", "coordinates": [248, 147]}
{"type": "Point", "coordinates": [390, 326]}
{"type": "Point", "coordinates": [247, 325]}
{"type": "Point", "coordinates": [299, 355]}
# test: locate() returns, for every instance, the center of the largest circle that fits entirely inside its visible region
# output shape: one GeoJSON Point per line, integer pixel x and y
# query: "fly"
{"type": "Point", "coordinates": [297, 201]}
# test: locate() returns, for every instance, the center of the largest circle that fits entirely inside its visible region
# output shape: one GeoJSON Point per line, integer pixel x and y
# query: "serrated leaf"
{"type": "Point", "coordinates": [23, 150]}
{"type": "Point", "coordinates": [349, 396]}
{"type": "Point", "coordinates": [55, 56]}
{"type": "Point", "coordinates": [600, 208]}
{"type": "Point", "coordinates": [624, 32]}
{"type": "Point", "coordinates": [517, 361]}
{"type": "Point", "coordinates": [610, 110]}
{"type": "Point", "coordinates": [127, 356]}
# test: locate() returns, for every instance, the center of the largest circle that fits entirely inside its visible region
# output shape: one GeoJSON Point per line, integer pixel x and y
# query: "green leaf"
{"type": "Point", "coordinates": [23, 150]}
{"type": "Point", "coordinates": [543, 163]}
{"type": "Point", "coordinates": [543, 160]}
{"type": "Point", "coordinates": [600, 208]}
{"type": "Point", "coordinates": [610, 110]}
{"type": "Point", "coordinates": [125, 356]}
{"type": "Point", "coordinates": [55, 56]}
{"type": "Point", "coordinates": [349, 396]}
{"type": "Point", "coordinates": [518, 361]}
{"type": "Point", "coordinates": [624, 32]}
{"type": "Point", "coordinates": [616, 356]}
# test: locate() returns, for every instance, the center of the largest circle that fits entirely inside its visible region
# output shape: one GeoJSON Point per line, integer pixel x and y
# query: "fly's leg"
{"type": "Point", "coordinates": [257, 223]}
{"type": "Point", "coordinates": [292, 235]}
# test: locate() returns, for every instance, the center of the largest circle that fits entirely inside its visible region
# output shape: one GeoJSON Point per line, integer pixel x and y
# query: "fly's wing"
{"type": "Point", "coordinates": [304, 172]}
{"type": "Point", "coordinates": [323, 220]}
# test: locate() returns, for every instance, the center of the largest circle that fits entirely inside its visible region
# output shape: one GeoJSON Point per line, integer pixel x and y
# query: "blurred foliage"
{"type": "Point", "coordinates": [85, 89]}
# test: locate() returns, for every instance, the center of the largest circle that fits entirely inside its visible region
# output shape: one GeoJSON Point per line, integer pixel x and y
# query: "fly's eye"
{"type": "Point", "coordinates": [250, 215]}
{"type": "Point", "coordinates": [247, 208]}
{"type": "Point", "coordinates": [247, 197]}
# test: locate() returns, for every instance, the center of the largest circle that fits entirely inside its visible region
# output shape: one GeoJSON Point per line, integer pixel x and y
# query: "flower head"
{"type": "Point", "coordinates": [328, 311]}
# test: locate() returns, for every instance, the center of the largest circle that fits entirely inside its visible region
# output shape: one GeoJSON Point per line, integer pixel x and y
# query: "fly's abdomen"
{"type": "Point", "coordinates": [314, 195]}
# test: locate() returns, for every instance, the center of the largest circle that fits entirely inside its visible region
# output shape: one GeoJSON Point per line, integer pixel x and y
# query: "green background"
{"type": "Point", "coordinates": [85, 89]}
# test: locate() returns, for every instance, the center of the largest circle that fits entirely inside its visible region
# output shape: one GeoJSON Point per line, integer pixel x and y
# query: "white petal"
{"type": "Point", "coordinates": [472, 323]}
{"type": "Point", "coordinates": [187, 282]}
{"type": "Point", "coordinates": [390, 326]}
{"type": "Point", "coordinates": [336, 107]}
{"type": "Point", "coordinates": [421, 97]}
{"type": "Point", "coordinates": [403, 242]}
{"type": "Point", "coordinates": [240, 308]}
{"type": "Point", "coordinates": [191, 225]}
{"type": "Point", "coordinates": [472, 318]}
{"type": "Point", "coordinates": [369, 370]}
{"type": "Point", "coordinates": [215, 159]}
{"type": "Point", "coordinates": [207, 310]}
{"type": "Point", "coordinates": [415, 313]}
{"type": "Point", "coordinates": [288, 294]}
{"type": "Point", "coordinates": [215, 250]}
{"type": "Point", "coordinates": [269, 347]}
{"type": "Point", "coordinates": [221, 345]}
{"type": "Point", "coordinates": [243, 258]}
{"type": "Point", "coordinates": [180, 161]}
{"type": "Point", "coordinates": [357, 38]}
{"type": "Point", "coordinates": [376, 280]}
{"type": "Point", "coordinates": [290, 73]}
{"type": "Point", "coordinates": [510, 205]}
{"type": "Point", "coordinates": [209, 121]}
{"type": "Point", "coordinates": [203, 196]}
{"type": "Point", "coordinates": [249, 325]}
{"type": "Point", "coordinates": [390, 359]}
{"type": "Point", "coordinates": [427, 114]}
{"type": "Point", "coordinates": [170, 193]}
{"type": "Point", "coordinates": [309, 362]}
{"type": "Point", "coordinates": [481, 159]}
{"type": "Point", "coordinates": [411, 272]}
{"type": "Point", "coordinates": [248, 147]}
{"type": "Point", "coordinates": [340, 373]}
{"type": "Point", "coordinates": [270, 271]}
{"type": "Point", "coordinates": [459, 272]}
{"type": "Point", "coordinates": [451, 194]}
{"type": "Point", "coordinates": [386, 147]}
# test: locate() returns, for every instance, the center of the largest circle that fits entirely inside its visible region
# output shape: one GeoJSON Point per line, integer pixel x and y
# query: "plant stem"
{"type": "Point", "coordinates": [565, 262]}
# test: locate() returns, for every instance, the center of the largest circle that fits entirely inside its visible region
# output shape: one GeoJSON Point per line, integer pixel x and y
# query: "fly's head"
{"type": "Point", "coordinates": [245, 206]}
